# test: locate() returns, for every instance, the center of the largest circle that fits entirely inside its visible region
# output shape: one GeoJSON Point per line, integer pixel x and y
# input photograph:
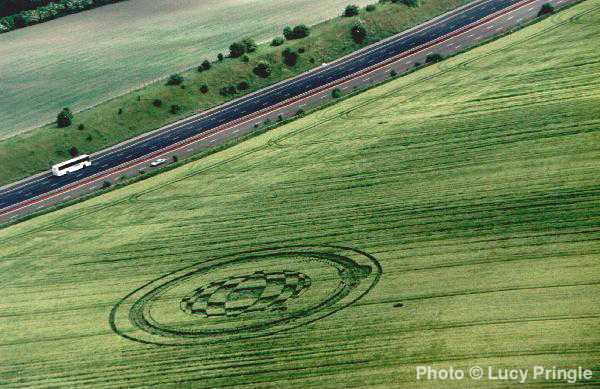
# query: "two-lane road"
{"type": "Point", "coordinates": [36, 190]}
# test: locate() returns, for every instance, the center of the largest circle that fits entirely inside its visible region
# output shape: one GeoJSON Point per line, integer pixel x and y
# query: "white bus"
{"type": "Point", "coordinates": [60, 169]}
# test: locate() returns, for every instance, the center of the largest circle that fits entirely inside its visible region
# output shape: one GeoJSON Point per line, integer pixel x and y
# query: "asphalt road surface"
{"type": "Point", "coordinates": [462, 27]}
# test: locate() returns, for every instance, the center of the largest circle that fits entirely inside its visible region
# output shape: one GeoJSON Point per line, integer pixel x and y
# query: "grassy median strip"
{"type": "Point", "coordinates": [473, 183]}
{"type": "Point", "coordinates": [153, 106]}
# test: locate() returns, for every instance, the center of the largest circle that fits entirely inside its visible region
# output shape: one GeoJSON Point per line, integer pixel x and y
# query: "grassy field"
{"type": "Point", "coordinates": [35, 151]}
{"type": "Point", "coordinates": [466, 198]}
{"type": "Point", "coordinates": [84, 59]}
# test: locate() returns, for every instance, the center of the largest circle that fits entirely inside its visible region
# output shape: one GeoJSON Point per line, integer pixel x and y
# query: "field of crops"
{"type": "Point", "coordinates": [83, 59]}
{"type": "Point", "coordinates": [447, 218]}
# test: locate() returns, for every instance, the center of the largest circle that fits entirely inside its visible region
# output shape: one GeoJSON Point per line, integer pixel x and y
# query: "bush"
{"type": "Point", "coordinates": [351, 10]}
{"type": "Point", "coordinates": [300, 112]}
{"type": "Point", "coordinates": [336, 93]}
{"type": "Point", "coordinates": [157, 103]}
{"type": "Point", "coordinates": [236, 49]}
{"type": "Point", "coordinates": [289, 57]}
{"type": "Point", "coordinates": [249, 44]}
{"type": "Point", "coordinates": [204, 88]}
{"type": "Point", "coordinates": [220, 57]}
{"type": "Point", "coordinates": [277, 41]}
{"type": "Point", "coordinates": [301, 50]}
{"type": "Point", "coordinates": [81, 127]}
{"type": "Point", "coordinates": [433, 58]}
{"type": "Point", "coordinates": [243, 85]}
{"type": "Point", "coordinates": [175, 158]}
{"type": "Point", "coordinates": [359, 33]}
{"type": "Point", "coordinates": [73, 151]}
{"type": "Point", "coordinates": [546, 9]}
{"type": "Point", "coordinates": [393, 73]}
{"type": "Point", "coordinates": [205, 64]}
{"type": "Point", "coordinates": [64, 118]}
{"type": "Point", "coordinates": [410, 3]}
{"type": "Point", "coordinates": [370, 7]}
{"type": "Point", "coordinates": [175, 109]}
{"type": "Point", "coordinates": [120, 111]}
{"type": "Point", "coordinates": [175, 79]}
{"type": "Point", "coordinates": [106, 184]}
{"type": "Point", "coordinates": [298, 32]}
{"type": "Point", "coordinates": [301, 31]}
{"type": "Point", "coordinates": [245, 58]}
{"type": "Point", "coordinates": [263, 70]}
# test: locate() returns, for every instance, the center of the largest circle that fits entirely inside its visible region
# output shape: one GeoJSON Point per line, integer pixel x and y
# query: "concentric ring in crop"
{"type": "Point", "coordinates": [245, 295]}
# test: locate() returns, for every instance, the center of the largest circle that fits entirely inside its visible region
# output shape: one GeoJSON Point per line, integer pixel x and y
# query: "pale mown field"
{"type": "Point", "coordinates": [83, 59]}
{"type": "Point", "coordinates": [472, 183]}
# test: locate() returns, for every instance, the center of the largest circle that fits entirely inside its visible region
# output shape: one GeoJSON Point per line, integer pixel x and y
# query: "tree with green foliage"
{"type": "Point", "coordinates": [263, 70]}
{"type": "Point", "coordinates": [370, 7]}
{"type": "Point", "coordinates": [411, 3]}
{"type": "Point", "coordinates": [351, 10]}
{"type": "Point", "coordinates": [289, 57]}
{"type": "Point", "coordinates": [236, 49]}
{"type": "Point", "coordinates": [205, 64]}
{"type": "Point", "coordinates": [175, 109]}
{"type": "Point", "coordinates": [336, 93]}
{"type": "Point", "coordinates": [359, 33]}
{"type": "Point", "coordinates": [157, 103]}
{"type": "Point", "coordinates": [64, 118]}
{"type": "Point", "coordinates": [277, 41]}
{"type": "Point", "coordinates": [242, 85]}
{"type": "Point", "coordinates": [433, 58]}
{"type": "Point", "coordinates": [204, 88]}
{"type": "Point", "coordinates": [301, 31]}
{"type": "Point", "coordinates": [546, 9]}
{"type": "Point", "coordinates": [175, 79]}
{"type": "Point", "coordinates": [250, 45]}
{"type": "Point", "coordinates": [298, 32]}
{"type": "Point", "coordinates": [220, 57]}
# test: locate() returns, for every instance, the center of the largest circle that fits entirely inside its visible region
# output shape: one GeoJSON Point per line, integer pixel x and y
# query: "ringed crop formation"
{"type": "Point", "coordinates": [245, 295]}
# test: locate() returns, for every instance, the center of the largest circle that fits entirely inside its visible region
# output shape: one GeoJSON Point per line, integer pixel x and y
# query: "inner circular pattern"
{"type": "Point", "coordinates": [247, 295]}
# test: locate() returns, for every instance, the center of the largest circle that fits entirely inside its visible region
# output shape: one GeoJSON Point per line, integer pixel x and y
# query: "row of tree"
{"type": "Point", "coordinates": [22, 13]}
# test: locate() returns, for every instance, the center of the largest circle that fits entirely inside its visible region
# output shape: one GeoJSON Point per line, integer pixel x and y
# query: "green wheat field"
{"type": "Point", "coordinates": [447, 218]}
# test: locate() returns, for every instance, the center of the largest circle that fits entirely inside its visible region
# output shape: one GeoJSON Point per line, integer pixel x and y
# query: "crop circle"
{"type": "Point", "coordinates": [245, 295]}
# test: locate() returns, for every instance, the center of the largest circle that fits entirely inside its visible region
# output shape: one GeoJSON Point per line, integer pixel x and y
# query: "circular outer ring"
{"type": "Point", "coordinates": [127, 319]}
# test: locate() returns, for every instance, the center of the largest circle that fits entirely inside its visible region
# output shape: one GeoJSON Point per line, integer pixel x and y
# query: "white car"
{"type": "Point", "coordinates": [157, 162]}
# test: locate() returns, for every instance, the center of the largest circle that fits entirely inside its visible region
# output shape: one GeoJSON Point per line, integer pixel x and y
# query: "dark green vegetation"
{"type": "Point", "coordinates": [22, 13]}
{"type": "Point", "coordinates": [35, 151]}
{"type": "Point", "coordinates": [473, 183]}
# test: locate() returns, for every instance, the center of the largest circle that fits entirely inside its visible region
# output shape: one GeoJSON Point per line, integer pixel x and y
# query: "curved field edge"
{"type": "Point", "coordinates": [34, 151]}
{"type": "Point", "coordinates": [473, 182]}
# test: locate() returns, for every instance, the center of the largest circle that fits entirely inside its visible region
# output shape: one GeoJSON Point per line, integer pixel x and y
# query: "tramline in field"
{"type": "Point", "coordinates": [72, 165]}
